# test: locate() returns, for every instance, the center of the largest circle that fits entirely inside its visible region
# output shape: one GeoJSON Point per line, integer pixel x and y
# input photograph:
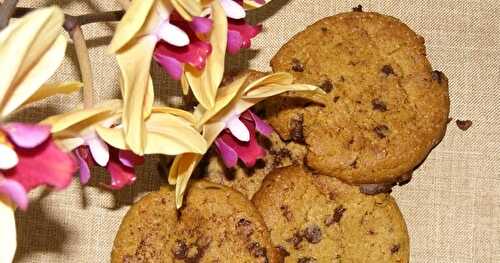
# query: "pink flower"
{"type": "Point", "coordinates": [173, 58]}
{"type": "Point", "coordinates": [30, 158]}
{"type": "Point", "coordinates": [239, 141]}
{"type": "Point", "coordinates": [240, 33]}
{"type": "Point", "coordinates": [120, 164]}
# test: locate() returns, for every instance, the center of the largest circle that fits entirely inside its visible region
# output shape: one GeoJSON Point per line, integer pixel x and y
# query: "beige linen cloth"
{"type": "Point", "coordinates": [452, 206]}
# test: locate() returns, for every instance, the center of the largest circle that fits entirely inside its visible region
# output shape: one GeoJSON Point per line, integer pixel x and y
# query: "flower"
{"type": "Point", "coordinates": [240, 34]}
{"type": "Point", "coordinates": [230, 117]}
{"type": "Point", "coordinates": [96, 137]}
{"type": "Point", "coordinates": [31, 48]}
{"type": "Point", "coordinates": [150, 25]}
{"type": "Point", "coordinates": [239, 140]}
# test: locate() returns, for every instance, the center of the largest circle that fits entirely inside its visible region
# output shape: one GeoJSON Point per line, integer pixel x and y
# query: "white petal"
{"type": "Point", "coordinates": [173, 35]}
{"type": "Point", "coordinates": [238, 129]}
{"type": "Point", "coordinates": [8, 241]}
{"type": "Point", "coordinates": [99, 150]}
{"type": "Point", "coordinates": [8, 157]}
{"type": "Point", "coordinates": [233, 9]}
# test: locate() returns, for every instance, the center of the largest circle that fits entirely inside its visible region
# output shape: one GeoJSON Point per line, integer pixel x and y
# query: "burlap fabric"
{"type": "Point", "coordinates": [452, 206]}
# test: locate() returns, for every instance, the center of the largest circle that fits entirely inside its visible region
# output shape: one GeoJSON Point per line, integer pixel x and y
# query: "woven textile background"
{"type": "Point", "coordinates": [452, 206]}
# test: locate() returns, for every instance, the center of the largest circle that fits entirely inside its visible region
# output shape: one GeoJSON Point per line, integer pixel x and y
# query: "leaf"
{"type": "Point", "coordinates": [8, 241]}
{"type": "Point", "coordinates": [134, 62]}
{"type": "Point", "coordinates": [205, 83]}
{"type": "Point", "coordinates": [31, 51]}
{"type": "Point", "coordinates": [64, 121]}
{"type": "Point", "coordinates": [131, 24]}
{"type": "Point", "coordinates": [48, 90]}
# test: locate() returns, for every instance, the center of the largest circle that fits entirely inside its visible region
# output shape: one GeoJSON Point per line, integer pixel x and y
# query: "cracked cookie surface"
{"type": "Point", "coordinates": [385, 108]}
{"type": "Point", "coordinates": [216, 224]}
{"type": "Point", "coordinates": [317, 218]}
{"type": "Point", "coordinates": [249, 180]}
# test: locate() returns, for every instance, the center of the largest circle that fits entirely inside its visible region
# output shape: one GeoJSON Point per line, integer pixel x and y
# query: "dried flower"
{"type": "Point", "coordinates": [232, 103]}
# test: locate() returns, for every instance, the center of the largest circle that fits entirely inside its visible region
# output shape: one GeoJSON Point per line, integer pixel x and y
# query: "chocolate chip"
{"type": "Point", "coordinates": [388, 70]}
{"type": "Point", "coordinates": [438, 76]}
{"type": "Point", "coordinates": [296, 239]}
{"type": "Point", "coordinates": [324, 29]}
{"type": "Point", "coordinates": [371, 232]}
{"type": "Point", "coordinates": [342, 79]}
{"type": "Point", "coordinates": [297, 128]}
{"type": "Point", "coordinates": [327, 86]}
{"type": "Point", "coordinates": [395, 249]}
{"type": "Point", "coordinates": [373, 189]}
{"type": "Point", "coordinates": [257, 250]}
{"type": "Point", "coordinates": [379, 105]}
{"type": "Point", "coordinates": [335, 217]}
{"type": "Point", "coordinates": [244, 227]}
{"type": "Point", "coordinates": [354, 164]}
{"type": "Point", "coordinates": [358, 8]}
{"type": "Point", "coordinates": [382, 131]}
{"type": "Point", "coordinates": [336, 98]}
{"type": "Point", "coordinates": [180, 250]}
{"type": "Point", "coordinates": [313, 234]}
{"type": "Point", "coordinates": [306, 260]}
{"type": "Point", "coordinates": [282, 251]}
{"type": "Point", "coordinates": [280, 155]}
{"type": "Point", "coordinates": [464, 125]}
{"type": "Point", "coordinates": [285, 211]}
{"type": "Point", "coordinates": [297, 66]}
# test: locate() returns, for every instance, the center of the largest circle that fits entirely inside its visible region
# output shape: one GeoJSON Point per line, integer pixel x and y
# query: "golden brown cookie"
{"type": "Point", "coordinates": [316, 218]}
{"type": "Point", "coordinates": [385, 108]}
{"type": "Point", "coordinates": [248, 180]}
{"type": "Point", "coordinates": [216, 224]}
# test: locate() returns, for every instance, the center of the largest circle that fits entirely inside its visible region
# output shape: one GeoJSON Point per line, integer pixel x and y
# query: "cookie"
{"type": "Point", "coordinates": [248, 180]}
{"type": "Point", "coordinates": [317, 218]}
{"type": "Point", "coordinates": [384, 109]}
{"type": "Point", "coordinates": [217, 224]}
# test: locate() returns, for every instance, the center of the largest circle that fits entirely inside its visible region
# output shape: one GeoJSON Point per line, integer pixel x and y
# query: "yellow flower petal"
{"type": "Point", "coordinates": [187, 8]}
{"type": "Point", "coordinates": [134, 62]}
{"type": "Point", "coordinates": [112, 136]}
{"type": "Point", "coordinates": [64, 121]}
{"type": "Point", "coordinates": [275, 89]}
{"type": "Point", "coordinates": [131, 23]}
{"type": "Point", "coordinates": [205, 83]}
{"type": "Point", "coordinates": [250, 4]}
{"type": "Point", "coordinates": [69, 144]}
{"type": "Point", "coordinates": [212, 130]}
{"type": "Point", "coordinates": [165, 134]}
{"type": "Point", "coordinates": [31, 51]}
{"type": "Point", "coordinates": [188, 116]}
{"type": "Point", "coordinates": [185, 165]}
{"type": "Point", "coordinates": [177, 136]}
{"type": "Point", "coordinates": [8, 240]}
{"type": "Point", "coordinates": [225, 96]}
{"type": "Point", "coordinates": [282, 78]}
{"type": "Point", "coordinates": [48, 90]}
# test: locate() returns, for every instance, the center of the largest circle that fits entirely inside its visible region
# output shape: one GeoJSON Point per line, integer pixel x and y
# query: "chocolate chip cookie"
{"type": "Point", "coordinates": [385, 107]}
{"type": "Point", "coordinates": [217, 224]}
{"type": "Point", "coordinates": [317, 218]}
{"type": "Point", "coordinates": [248, 180]}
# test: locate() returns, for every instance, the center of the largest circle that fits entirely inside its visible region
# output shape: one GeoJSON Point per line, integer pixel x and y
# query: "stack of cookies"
{"type": "Point", "coordinates": [322, 194]}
